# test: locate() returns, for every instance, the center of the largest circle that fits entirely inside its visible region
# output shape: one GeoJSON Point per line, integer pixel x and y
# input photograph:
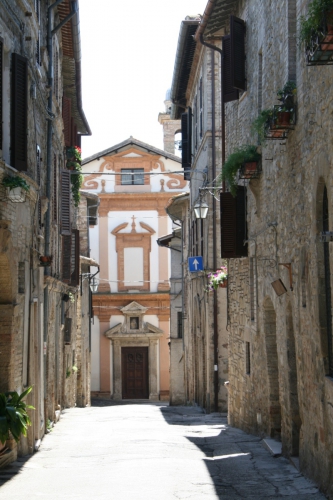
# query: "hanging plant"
{"type": "Point", "coordinates": [14, 418]}
{"type": "Point", "coordinates": [234, 162]}
{"type": "Point", "coordinates": [74, 163]}
{"type": "Point", "coordinates": [261, 123]}
{"type": "Point", "coordinates": [73, 158]}
{"type": "Point", "coordinates": [315, 24]}
{"type": "Point", "coordinates": [218, 279]}
{"type": "Point", "coordinates": [14, 181]}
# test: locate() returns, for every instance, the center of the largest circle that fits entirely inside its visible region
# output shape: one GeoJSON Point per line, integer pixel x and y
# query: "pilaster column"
{"type": "Point", "coordinates": [117, 388]}
{"type": "Point", "coordinates": [104, 357]}
{"type": "Point", "coordinates": [163, 254]}
{"type": "Point", "coordinates": [153, 367]}
{"type": "Point", "coordinates": [104, 285]}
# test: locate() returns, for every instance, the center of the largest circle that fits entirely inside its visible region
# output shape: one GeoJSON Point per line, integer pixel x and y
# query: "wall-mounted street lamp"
{"type": "Point", "coordinates": [93, 284]}
{"type": "Point", "coordinates": [200, 210]}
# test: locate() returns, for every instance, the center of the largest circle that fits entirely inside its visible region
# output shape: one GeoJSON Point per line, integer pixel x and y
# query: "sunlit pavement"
{"type": "Point", "coordinates": [151, 451]}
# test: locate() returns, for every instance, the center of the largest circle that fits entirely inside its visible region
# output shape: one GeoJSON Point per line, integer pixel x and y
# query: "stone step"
{"type": "Point", "coordinates": [273, 446]}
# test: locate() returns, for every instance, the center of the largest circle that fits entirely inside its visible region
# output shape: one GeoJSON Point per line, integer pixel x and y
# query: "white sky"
{"type": "Point", "coordinates": [128, 55]}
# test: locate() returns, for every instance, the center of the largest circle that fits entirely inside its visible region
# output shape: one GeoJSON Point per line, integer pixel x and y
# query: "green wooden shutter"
{"type": "Point", "coordinates": [19, 113]}
{"type": "Point", "coordinates": [229, 92]}
{"type": "Point", "coordinates": [237, 53]}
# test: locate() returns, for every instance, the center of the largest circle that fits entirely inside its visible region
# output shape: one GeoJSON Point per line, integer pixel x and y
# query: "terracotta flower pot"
{"type": "Point", "coordinates": [283, 118]}
{"type": "Point", "coordinates": [249, 169]}
{"type": "Point", "coordinates": [223, 284]}
{"type": "Point", "coordinates": [45, 260]}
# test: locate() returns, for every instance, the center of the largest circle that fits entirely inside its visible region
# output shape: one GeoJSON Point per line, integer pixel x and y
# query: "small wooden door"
{"type": "Point", "coordinates": [134, 362]}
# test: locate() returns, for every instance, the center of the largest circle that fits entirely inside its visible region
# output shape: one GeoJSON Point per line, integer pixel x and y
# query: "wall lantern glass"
{"type": "Point", "coordinates": [200, 210]}
{"type": "Point", "coordinates": [93, 285]}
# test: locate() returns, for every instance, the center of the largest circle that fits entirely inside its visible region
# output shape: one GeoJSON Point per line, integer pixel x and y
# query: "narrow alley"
{"type": "Point", "coordinates": [151, 451]}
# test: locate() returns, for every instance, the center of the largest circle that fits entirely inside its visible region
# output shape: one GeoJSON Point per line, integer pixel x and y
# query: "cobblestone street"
{"type": "Point", "coordinates": [151, 451]}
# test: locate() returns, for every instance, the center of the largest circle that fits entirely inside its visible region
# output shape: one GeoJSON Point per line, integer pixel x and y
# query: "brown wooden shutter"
{"type": "Point", "coordinates": [38, 177]}
{"type": "Point", "coordinates": [66, 116]}
{"type": "Point", "coordinates": [68, 331]}
{"type": "Point", "coordinates": [65, 202]}
{"type": "Point", "coordinates": [19, 112]}
{"type": "Point", "coordinates": [75, 258]}
{"type": "Point", "coordinates": [229, 92]}
{"type": "Point", "coordinates": [55, 189]}
{"type": "Point", "coordinates": [1, 91]}
{"type": "Point", "coordinates": [237, 52]}
{"type": "Point", "coordinates": [233, 224]}
{"type": "Point", "coordinates": [66, 258]}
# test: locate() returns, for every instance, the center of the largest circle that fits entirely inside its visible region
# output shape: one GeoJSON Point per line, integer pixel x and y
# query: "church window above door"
{"type": "Point", "coordinates": [132, 176]}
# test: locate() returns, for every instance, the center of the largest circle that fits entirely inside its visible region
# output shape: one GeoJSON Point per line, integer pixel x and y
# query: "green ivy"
{"type": "Point", "coordinates": [234, 162]}
{"type": "Point", "coordinates": [13, 181]}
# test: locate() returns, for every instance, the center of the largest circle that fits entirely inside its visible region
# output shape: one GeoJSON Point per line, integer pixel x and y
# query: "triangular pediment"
{"type": "Point", "coordinates": [153, 328]}
{"type": "Point", "coordinates": [134, 307]}
{"type": "Point", "coordinates": [132, 155]}
{"type": "Point", "coordinates": [114, 329]}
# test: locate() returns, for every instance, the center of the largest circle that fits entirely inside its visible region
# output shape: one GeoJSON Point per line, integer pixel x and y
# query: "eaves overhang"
{"type": "Point", "coordinates": [131, 141]}
{"type": "Point", "coordinates": [216, 17]}
{"type": "Point", "coordinates": [183, 63]}
{"type": "Point", "coordinates": [71, 65]}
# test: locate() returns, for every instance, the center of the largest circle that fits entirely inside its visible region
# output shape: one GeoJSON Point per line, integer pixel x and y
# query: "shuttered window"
{"type": "Point", "coordinates": [237, 53]}
{"type": "Point", "coordinates": [56, 75]}
{"type": "Point", "coordinates": [179, 325]}
{"type": "Point", "coordinates": [68, 331]}
{"type": "Point", "coordinates": [186, 127]}
{"type": "Point", "coordinates": [233, 224]}
{"type": "Point", "coordinates": [200, 107]}
{"type": "Point", "coordinates": [66, 115]}
{"type": "Point", "coordinates": [55, 189]}
{"type": "Point", "coordinates": [75, 258]}
{"type": "Point", "coordinates": [65, 202]}
{"type": "Point", "coordinates": [38, 180]}
{"type": "Point", "coordinates": [1, 91]}
{"type": "Point", "coordinates": [19, 112]}
{"type": "Point", "coordinates": [66, 258]}
{"type": "Point", "coordinates": [229, 92]}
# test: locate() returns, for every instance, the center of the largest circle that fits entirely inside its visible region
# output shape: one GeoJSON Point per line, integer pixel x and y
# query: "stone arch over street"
{"type": "Point", "coordinates": [274, 406]}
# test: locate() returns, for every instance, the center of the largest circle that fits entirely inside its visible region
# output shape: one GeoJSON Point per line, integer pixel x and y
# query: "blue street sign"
{"type": "Point", "coordinates": [195, 264]}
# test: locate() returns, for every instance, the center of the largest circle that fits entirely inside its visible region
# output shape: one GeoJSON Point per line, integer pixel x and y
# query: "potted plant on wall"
{"type": "Point", "coordinates": [74, 163]}
{"type": "Point", "coordinates": [245, 158]}
{"type": "Point", "coordinates": [16, 188]}
{"type": "Point", "coordinates": [316, 32]}
{"type": "Point", "coordinates": [284, 112]}
{"type": "Point", "coordinates": [14, 419]}
{"type": "Point", "coordinates": [218, 279]}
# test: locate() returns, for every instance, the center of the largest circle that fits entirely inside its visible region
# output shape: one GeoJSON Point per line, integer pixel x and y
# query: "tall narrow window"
{"type": "Point", "coordinates": [260, 83]}
{"type": "Point", "coordinates": [247, 358]}
{"type": "Point", "coordinates": [179, 325]}
{"type": "Point", "coordinates": [39, 208]}
{"type": "Point", "coordinates": [328, 285]}
{"type": "Point", "coordinates": [200, 108]}
{"type": "Point", "coordinates": [55, 189]}
{"type": "Point", "coordinates": [252, 290]}
{"type": "Point", "coordinates": [37, 9]}
{"type": "Point", "coordinates": [1, 90]}
{"type": "Point", "coordinates": [19, 112]}
{"type": "Point", "coordinates": [56, 75]}
{"type": "Point", "coordinates": [292, 40]}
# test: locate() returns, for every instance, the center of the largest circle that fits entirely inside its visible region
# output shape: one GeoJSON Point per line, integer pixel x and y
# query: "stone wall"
{"type": "Point", "coordinates": [287, 393]}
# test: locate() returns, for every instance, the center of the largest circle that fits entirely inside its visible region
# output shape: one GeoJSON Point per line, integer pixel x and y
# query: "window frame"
{"type": "Point", "coordinates": [133, 172]}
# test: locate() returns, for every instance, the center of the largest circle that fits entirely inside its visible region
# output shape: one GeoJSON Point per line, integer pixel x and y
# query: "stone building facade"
{"type": "Point", "coordinates": [41, 115]}
{"type": "Point", "coordinates": [195, 94]}
{"type": "Point", "coordinates": [280, 338]}
{"type": "Point", "coordinates": [134, 182]}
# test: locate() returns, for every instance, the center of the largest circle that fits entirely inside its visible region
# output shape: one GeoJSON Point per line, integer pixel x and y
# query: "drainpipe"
{"type": "Point", "coordinates": [215, 315]}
